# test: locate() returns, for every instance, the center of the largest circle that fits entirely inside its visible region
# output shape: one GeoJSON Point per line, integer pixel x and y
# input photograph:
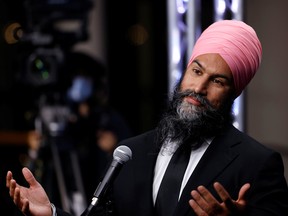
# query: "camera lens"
{"type": "Point", "coordinates": [43, 65]}
{"type": "Point", "coordinates": [41, 68]}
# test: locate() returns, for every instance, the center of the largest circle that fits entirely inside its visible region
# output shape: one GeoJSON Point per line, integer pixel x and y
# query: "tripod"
{"type": "Point", "coordinates": [59, 161]}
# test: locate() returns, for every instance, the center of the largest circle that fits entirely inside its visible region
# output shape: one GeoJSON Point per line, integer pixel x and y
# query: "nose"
{"type": "Point", "coordinates": [201, 86]}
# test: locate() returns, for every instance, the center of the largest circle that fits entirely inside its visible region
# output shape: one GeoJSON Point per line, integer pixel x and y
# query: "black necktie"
{"type": "Point", "coordinates": [168, 193]}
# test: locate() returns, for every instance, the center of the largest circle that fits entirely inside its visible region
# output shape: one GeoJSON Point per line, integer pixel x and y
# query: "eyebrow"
{"type": "Point", "coordinates": [198, 63]}
{"type": "Point", "coordinates": [214, 75]}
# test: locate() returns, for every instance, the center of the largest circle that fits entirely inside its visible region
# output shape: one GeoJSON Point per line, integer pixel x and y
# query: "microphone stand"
{"type": "Point", "coordinates": [120, 156]}
{"type": "Point", "coordinates": [102, 187]}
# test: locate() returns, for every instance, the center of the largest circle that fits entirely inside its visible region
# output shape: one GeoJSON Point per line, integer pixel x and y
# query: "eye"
{"type": "Point", "coordinates": [196, 71]}
{"type": "Point", "coordinates": [218, 81]}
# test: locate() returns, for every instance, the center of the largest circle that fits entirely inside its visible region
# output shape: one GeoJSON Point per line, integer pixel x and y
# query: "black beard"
{"type": "Point", "coordinates": [191, 125]}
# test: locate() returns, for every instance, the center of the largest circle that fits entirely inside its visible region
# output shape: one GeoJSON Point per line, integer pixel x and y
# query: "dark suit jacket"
{"type": "Point", "coordinates": [233, 159]}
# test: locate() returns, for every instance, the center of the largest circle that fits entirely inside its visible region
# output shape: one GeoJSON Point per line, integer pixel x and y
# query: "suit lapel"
{"type": "Point", "coordinates": [144, 175]}
{"type": "Point", "coordinates": [216, 158]}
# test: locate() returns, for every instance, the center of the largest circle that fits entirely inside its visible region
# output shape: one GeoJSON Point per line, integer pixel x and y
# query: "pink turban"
{"type": "Point", "coordinates": [238, 45]}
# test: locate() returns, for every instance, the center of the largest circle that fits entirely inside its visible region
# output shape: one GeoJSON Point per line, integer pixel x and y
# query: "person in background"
{"type": "Point", "coordinates": [95, 127]}
{"type": "Point", "coordinates": [225, 171]}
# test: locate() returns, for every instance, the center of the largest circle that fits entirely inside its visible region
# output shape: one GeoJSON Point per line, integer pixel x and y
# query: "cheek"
{"type": "Point", "coordinates": [216, 98]}
{"type": "Point", "coordinates": [186, 83]}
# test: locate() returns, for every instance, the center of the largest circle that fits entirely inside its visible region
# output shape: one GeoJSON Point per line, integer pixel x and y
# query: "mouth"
{"type": "Point", "coordinates": [193, 100]}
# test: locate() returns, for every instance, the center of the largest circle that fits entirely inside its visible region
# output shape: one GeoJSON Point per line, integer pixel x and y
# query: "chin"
{"type": "Point", "coordinates": [189, 111]}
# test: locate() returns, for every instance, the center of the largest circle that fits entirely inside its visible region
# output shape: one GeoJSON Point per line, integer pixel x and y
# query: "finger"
{"type": "Point", "coordinates": [243, 191]}
{"type": "Point", "coordinates": [25, 207]}
{"type": "Point", "coordinates": [29, 177]}
{"type": "Point", "coordinates": [12, 188]}
{"type": "Point", "coordinates": [225, 197]}
{"type": "Point", "coordinates": [196, 208]}
{"type": "Point", "coordinates": [221, 191]}
{"type": "Point", "coordinates": [199, 199]}
{"type": "Point", "coordinates": [8, 178]}
{"type": "Point", "coordinates": [205, 200]}
{"type": "Point", "coordinates": [17, 199]}
{"type": "Point", "coordinates": [212, 206]}
{"type": "Point", "coordinates": [205, 193]}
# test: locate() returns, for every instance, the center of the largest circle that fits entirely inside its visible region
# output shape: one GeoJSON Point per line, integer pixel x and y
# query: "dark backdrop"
{"type": "Point", "coordinates": [137, 60]}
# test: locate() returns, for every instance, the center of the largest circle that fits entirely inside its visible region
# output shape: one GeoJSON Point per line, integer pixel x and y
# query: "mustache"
{"type": "Point", "coordinates": [199, 97]}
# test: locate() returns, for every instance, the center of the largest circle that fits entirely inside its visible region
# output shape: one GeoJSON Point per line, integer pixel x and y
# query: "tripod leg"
{"type": "Point", "coordinates": [79, 198]}
{"type": "Point", "coordinates": [60, 178]}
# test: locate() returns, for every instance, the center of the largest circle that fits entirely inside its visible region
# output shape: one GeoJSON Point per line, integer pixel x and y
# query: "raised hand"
{"type": "Point", "coordinates": [32, 201]}
{"type": "Point", "coordinates": [205, 204]}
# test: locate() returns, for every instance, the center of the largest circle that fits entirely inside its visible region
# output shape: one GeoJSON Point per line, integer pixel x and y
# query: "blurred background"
{"type": "Point", "coordinates": [78, 76]}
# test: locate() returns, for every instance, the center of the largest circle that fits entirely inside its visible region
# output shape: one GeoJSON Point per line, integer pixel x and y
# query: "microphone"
{"type": "Point", "coordinates": [120, 156]}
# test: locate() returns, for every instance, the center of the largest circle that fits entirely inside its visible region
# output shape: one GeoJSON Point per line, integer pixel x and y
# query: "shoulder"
{"type": "Point", "coordinates": [139, 138]}
{"type": "Point", "coordinates": [245, 144]}
{"type": "Point", "coordinates": [143, 142]}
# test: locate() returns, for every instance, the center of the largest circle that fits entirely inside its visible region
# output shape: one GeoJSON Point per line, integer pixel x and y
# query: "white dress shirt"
{"type": "Point", "coordinates": [163, 160]}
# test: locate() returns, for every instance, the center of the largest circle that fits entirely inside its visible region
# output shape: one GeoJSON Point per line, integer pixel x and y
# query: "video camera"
{"type": "Point", "coordinates": [51, 28]}
{"type": "Point", "coordinates": [45, 37]}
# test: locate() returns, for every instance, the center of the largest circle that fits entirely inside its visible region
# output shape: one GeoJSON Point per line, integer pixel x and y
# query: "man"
{"type": "Point", "coordinates": [228, 172]}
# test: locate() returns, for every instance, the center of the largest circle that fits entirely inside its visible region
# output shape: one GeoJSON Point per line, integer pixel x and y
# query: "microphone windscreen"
{"type": "Point", "coordinates": [122, 154]}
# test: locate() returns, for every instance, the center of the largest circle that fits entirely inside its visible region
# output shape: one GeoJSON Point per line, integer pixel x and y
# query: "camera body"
{"type": "Point", "coordinates": [48, 32]}
{"type": "Point", "coordinates": [52, 27]}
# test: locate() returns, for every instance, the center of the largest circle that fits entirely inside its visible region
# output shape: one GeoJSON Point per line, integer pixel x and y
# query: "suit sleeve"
{"type": "Point", "coordinates": [269, 194]}
{"type": "Point", "coordinates": [59, 212]}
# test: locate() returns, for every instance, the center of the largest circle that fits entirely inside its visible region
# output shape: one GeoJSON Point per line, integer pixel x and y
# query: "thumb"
{"type": "Point", "coordinates": [241, 201]}
{"type": "Point", "coordinates": [29, 177]}
{"type": "Point", "coordinates": [243, 191]}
